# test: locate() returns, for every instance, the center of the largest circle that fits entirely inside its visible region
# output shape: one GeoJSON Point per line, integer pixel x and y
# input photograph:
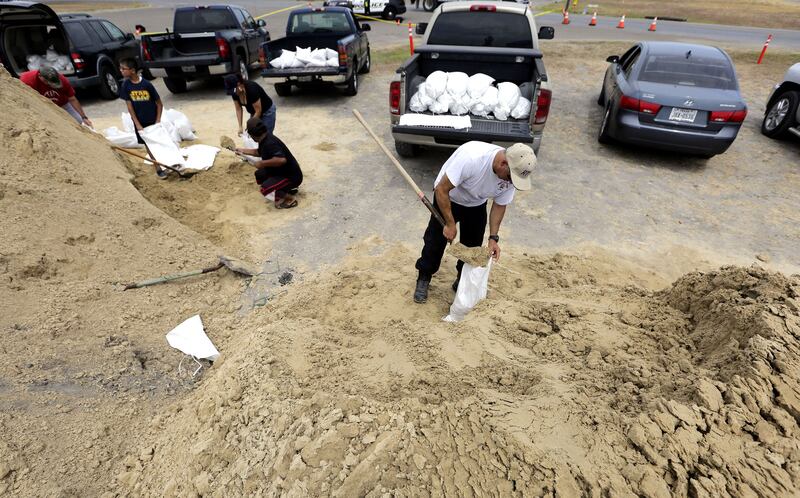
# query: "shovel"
{"type": "Point", "coordinates": [233, 264]}
{"type": "Point", "coordinates": [183, 175]}
{"type": "Point", "coordinates": [457, 249]}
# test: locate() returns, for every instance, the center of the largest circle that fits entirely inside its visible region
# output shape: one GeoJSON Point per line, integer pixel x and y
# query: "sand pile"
{"type": "Point", "coordinates": [571, 378]}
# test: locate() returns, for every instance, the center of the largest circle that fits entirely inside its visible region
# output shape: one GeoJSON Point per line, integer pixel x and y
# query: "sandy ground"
{"type": "Point", "coordinates": [600, 364]}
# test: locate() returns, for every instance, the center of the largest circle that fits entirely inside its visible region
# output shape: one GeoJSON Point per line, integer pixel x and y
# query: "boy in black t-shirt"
{"type": "Point", "coordinates": [144, 103]}
{"type": "Point", "coordinates": [278, 170]}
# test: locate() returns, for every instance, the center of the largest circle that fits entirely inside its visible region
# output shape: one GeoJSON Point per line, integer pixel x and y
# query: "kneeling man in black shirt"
{"type": "Point", "coordinates": [277, 171]}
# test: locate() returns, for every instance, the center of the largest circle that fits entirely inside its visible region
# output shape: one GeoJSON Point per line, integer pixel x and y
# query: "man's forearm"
{"type": "Point", "coordinates": [443, 203]}
{"type": "Point", "coordinates": [135, 120]}
{"type": "Point", "coordinates": [271, 163]}
{"type": "Point", "coordinates": [495, 218]}
{"type": "Point", "coordinates": [159, 108]}
{"type": "Point", "coordinates": [77, 106]}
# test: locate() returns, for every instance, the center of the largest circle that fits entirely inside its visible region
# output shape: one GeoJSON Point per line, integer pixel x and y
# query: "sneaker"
{"type": "Point", "coordinates": [421, 291]}
{"type": "Point", "coordinates": [161, 174]}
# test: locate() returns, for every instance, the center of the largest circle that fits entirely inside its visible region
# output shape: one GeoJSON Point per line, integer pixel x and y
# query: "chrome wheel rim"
{"type": "Point", "coordinates": [111, 81]}
{"type": "Point", "coordinates": [777, 114]}
{"type": "Point", "coordinates": [243, 70]}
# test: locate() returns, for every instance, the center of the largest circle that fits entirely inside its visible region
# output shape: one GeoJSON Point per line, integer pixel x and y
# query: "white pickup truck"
{"type": "Point", "coordinates": [782, 118]}
{"type": "Point", "coordinates": [499, 39]}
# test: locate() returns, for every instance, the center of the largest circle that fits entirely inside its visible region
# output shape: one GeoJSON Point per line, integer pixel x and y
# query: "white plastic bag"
{"type": "Point", "coordinates": [190, 338]}
{"type": "Point", "coordinates": [471, 289]}
{"type": "Point", "coordinates": [121, 138]}
{"type": "Point", "coordinates": [181, 122]}
{"type": "Point", "coordinates": [460, 105]}
{"type": "Point", "coordinates": [248, 141]}
{"type": "Point", "coordinates": [415, 104]}
{"type": "Point", "coordinates": [507, 97]}
{"type": "Point", "coordinates": [51, 55]}
{"type": "Point", "coordinates": [486, 104]}
{"type": "Point", "coordinates": [522, 110]}
{"type": "Point", "coordinates": [436, 84]}
{"type": "Point", "coordinates": [200, 156]}
{"type": "Point", "coordinates": [303, 55]}
{"type": "Point", "coordinates": [160, 143]}
{"type": "Point", "coordinates": [332, 62]}
{"type": "Point", "coordinates": [457, 84]}
{"type": "Point", "coordinates": [318, 58]}
{"type": "Point", "coordinates": [127, 122]}
{"type": "Point", "coordinates": [330, 54]}
{"type": "Point", "coordinates": [442, 104]}
{"type": "Point", "coordinates": [478, 83]}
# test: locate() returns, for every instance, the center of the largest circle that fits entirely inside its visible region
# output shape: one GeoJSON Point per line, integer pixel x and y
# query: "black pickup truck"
{"type": "Point", "coordinates": [333, 28]}
{"type": "Point", "coordinates": [206, 41]}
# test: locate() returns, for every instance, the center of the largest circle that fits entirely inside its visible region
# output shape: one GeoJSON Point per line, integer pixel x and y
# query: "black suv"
{"type": "Point", "coordinates": [97, 46]}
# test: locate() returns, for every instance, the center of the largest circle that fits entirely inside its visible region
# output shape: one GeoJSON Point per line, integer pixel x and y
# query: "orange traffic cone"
{"type": "Point", "coordinates": [621, 23]}
{"type": "Point", "coordinates": [593, 22]}
{"type": "Point", "coordinates": [566, 17]}
{"type": "Point", "coordinates": [653, 24]}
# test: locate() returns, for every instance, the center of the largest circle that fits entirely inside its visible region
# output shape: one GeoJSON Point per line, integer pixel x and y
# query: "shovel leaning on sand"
{"type": "Point", "coordinates": [183, 175]}
{"type": "Point", "coordinates": [475, 256]}
{"type": "Point", "coordinates": [233, 264]}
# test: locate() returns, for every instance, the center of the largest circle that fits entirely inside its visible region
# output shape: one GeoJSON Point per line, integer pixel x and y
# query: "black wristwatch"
{"type": "Point", "coordinates": [495, 238]}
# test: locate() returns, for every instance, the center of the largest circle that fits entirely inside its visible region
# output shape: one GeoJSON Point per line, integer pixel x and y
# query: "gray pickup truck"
{"type": "Point", "coordinates": [205, 41]}
{"type": "Point", "coordinates": [782, 118]}
{"type": "Point", "coordinates": [499, 39]}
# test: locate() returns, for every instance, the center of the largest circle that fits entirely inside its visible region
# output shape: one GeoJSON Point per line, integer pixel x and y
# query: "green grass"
{"type": "Point", "coordinates": [393, 56]}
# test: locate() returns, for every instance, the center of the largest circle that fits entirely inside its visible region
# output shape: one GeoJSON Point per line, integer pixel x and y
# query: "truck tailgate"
{"type": "Point", "coordinates": [485, 130]}
{"type": "Point", "coordinates": [302, 71]}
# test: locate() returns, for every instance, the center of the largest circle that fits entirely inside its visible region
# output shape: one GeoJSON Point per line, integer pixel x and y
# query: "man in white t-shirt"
{"type": "Point", "coordinates": [475, 173]}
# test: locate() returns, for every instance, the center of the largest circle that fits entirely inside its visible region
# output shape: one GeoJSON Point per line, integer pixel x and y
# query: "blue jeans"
{"type": "Point", "coordinates": [268, 118]}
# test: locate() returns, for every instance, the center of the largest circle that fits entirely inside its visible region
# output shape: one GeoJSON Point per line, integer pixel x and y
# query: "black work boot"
{"type": "Point", "coordinates": [421, 291]}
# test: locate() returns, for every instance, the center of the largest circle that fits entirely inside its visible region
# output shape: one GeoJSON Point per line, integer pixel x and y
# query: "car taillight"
{"type": "Point", "coordinates": [637, 105]}
{"type": "Point", "coordinates": [483, 8]}
{"type": "Point", "coordinates": [394, 97]}
{"type": "Point", "coordinates": [262, 57]}
{"type": "Point", "coordinates": [342, 55]}
{"type": "Point", "coordinates": [223, 48]}
{"type": "Point", "coordinates": [728, 116]}
{"type": "Point", "coordinates": [542, 106]}
{"type": "Point", "coordinates": [77, 61]}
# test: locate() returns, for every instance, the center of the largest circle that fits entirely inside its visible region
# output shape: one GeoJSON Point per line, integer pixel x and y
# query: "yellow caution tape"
{"type": "Point", "coordinates": [405, 24]}
{"type": "Point", "coordinates": [279, 11]}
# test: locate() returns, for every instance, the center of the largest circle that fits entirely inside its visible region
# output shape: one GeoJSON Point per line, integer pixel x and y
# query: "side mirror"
{"type": "Point", "coordinates": [261, 23]}
{"type": "Point", "coordinates": [366, 27]}
{"type": "Point", "coordinates": [421, 27]}
{"type": "Point", "coordinates": [129, 36]}
{"type": "Point", "coordinates": [612, 59]}
{"type": "Point", "coordinates": [546, 33]}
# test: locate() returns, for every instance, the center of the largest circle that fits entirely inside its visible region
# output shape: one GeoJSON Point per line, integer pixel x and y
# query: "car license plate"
{"type": "Point", "coordinates": [187, 69]}
{"type": "Point", "coordinates": [305, 79]}
{"type": "Point", "coordinates": [683, 115]}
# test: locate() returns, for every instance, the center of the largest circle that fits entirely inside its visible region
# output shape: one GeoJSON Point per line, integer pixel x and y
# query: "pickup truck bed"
{"type": "Point", "coordinates": [275, 48]}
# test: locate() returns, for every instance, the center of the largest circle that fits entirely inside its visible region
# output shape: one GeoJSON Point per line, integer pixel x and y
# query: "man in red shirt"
{"type": "Point", "coordinates": [49, 83]}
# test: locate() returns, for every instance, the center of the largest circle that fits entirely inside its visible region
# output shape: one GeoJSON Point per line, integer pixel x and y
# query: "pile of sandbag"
{"type": "Point", "coordinates": [458, 94]}
{"type": "Point", "coordinates": [306, 57]}
{"type": "Point", "coordinates": [59, 62]}
{"type": "Point", "coordinates": [176, 125]}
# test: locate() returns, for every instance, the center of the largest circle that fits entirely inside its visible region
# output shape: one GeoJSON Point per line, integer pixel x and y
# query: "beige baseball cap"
{"type": "Point", "coordinates": [521, 161]}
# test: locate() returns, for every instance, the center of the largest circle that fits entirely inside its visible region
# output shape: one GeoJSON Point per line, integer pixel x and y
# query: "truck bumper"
{"type": "Point", "coordinates": [430, 141]}
{"type": "Point", "coordinates": [192, 71]}
{"type": "Point", "coordinates": [499, 133]}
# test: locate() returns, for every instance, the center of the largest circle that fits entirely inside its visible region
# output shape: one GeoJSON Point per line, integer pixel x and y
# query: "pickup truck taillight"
{"type": "Point", "coordinates": [262, 57]}
{"type": "Point", "coordinates": [542, 106]}
{"type": "Point", "coordinates": [77, 61]}
{"type": "Point", "coordinates": [728, 116]}
{"type": "Point", "coordinates": [394, 97]}
{"type": "Point", "coordinates": [146, 51]}
{"type": "Point", "coordinates": [342, 55]}
{"type": "Point", "coordinates": [223, 48]}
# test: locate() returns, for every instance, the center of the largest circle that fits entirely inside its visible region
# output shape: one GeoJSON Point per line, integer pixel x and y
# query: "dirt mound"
{"type": "Point", "coordinates": [571, 378]}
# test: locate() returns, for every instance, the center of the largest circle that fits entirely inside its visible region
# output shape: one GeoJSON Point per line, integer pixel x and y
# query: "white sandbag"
{"type": "Point", "coordinates": [460, 105]}
{"type": "Point", "coordinates": [248, 141]}
{"type": "Point", "coordinates": [303, 55]}
{"type": "Point", "coordinates": [181, 122]}
{"type": "Point", "coordinates": [161, 145]}
{"type": "Point", "coordinates": [200, 156]}
{"type": "Point", "coordinates": [457, 83]}
{"type": "Point", "coordinates": [478, 83]}
{"type": "Point", "coordinates": [442, 104]}
{"type": "Point", "coordinates": [472, 289]}
{"type": "Point", "coordinates": [415, 104]}
{"type": "Point", "coordinates": [121, 138]}
{"type": "Point", "coordinates": [522, 110]}
{"type": "Point", "coordinates": [173, 131]}
{"type": "Point", "coordinates": [127, 122]}
{"type": "Point", "coordinates": [507, 96]}
{"type": "Point", "coordinates": [500, 113]}
{"type": "Point", "coordinates": [34, 63]}
{"type": "Point", "coordinates": [51, 55]}
{"type": "Point", "coordinates": [318, 58]}
{"type": "Point", "coordinates": [190, 338]}
{"type": "Point", "coordinates": [330, 54]}
{"type": "Point", "coordinates": [332, 62]}
{"type": "Point", "coordinates": [436, 84]}
{"type": "Point", "coordinates": [294, 62]}
{"type": "Point", "coordinates": [486, 104]}
{"type": "Point", "coordinates": [284, 60]}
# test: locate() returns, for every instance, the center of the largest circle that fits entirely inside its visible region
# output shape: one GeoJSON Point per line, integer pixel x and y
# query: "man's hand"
{"type": "Point", "coordinates": [450, 232]}
{"type": "Point", "coordinates": [241, 132]}
{"type": "Point", "coordinates": [138, 127]}
{"type": "Point", "coordinates": [88, 122]}
{"type": "Point", "coordinates": [494, 247]}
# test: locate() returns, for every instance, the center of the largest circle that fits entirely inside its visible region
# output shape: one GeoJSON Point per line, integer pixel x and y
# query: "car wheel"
{"type": "Point", "coordinates": [429, 5]}
{"type": "Point", "coordinates": [601, 99]}
{"type": "Point", "coordinates": [367, 63]}
{"type": "Point", "coordinates": [405, 149]}
{"type": "Point", "coordinates": [352, 83]}
{"type": "Point", "coordinates": [109, 87]}
{"type": "Point", "coordinates": [603, 136]}
{"type": "Point", "coordinates": [283, 89]}
{"type": "Point", "coordinates": [175, 85]}
{"type": "Point", "coordinates": [243, 69]}
{"type": "Point", "coordinates": [390, 13]}
{"type": "Point", "coordinates": [780, 116]}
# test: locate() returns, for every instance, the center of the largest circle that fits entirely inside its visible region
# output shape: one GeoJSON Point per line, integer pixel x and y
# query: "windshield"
{"type": "Point", "coordinates": [481, 29]}
{"type": "Point", "coordinates": [319, 22]}
{"type": "Point", "coordinates": [198, 20]}
{"type": "Point", "coordinates": [704, 72]}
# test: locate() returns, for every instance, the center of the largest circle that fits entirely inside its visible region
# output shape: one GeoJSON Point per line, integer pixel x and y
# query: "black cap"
{"type": "Point", "coordinates": [230, 84]}
{"type": "Point", "coordinates": [256, 128]}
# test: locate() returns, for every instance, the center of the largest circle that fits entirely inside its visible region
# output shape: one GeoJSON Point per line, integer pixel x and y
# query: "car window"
{"type": "Point", "coordinates": [250, 21]}
{"type": "Point", "coordinates": [683, 70]}
{"type": "Point", "coordinates": [319, 22]}
{"type": "Point", "coordinates": [627, 55]}
{"type": "Point", "coordinates": [627, 67]}
{"type": "Point", "coordinates": [204, 19]}
{"type": "Point", "coordinates": [77, 34]}
{"type": "Point", "coordinates": [481, 29]}
{"type": "Point", "coordinates": [114, 31]}
{"type": "Point", "coordinates": [240, 18]}
{"type": "Point", "coordinates": [104, 36]}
